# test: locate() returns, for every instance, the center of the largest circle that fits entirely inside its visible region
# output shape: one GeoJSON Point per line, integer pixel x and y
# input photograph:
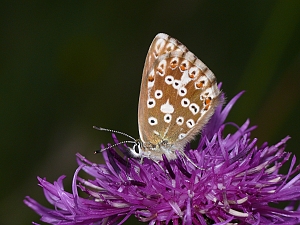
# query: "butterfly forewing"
{"type": "Point", "coordinates": [178, 95]}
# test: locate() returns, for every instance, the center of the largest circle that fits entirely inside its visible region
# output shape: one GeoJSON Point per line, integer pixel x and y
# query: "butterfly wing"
{"type": "Point", "coordinates": [178, 94]}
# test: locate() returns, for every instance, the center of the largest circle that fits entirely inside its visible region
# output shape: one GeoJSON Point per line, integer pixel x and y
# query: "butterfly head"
{"type": "Point", "coordinates": [153, 151]}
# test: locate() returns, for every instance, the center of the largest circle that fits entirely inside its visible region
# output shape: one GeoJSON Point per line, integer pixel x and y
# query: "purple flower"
{"type": "Point", "coordinates": [235, 182]}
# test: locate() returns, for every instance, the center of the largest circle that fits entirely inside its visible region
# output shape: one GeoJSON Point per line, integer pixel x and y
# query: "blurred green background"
{"type": "Point", "coordinates": [69, 65]}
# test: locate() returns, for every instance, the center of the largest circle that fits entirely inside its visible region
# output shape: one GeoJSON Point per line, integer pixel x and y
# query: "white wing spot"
{"type": "Point", "coordinates": [169, 79]}
{"type": "Point", "coordinates": [185, 102]}
{"type": "Point", "coordinates": [174, 63]}
{"type": "Point", "coordinates": [161, 68]}
{"type": "Point", "coordinates": [152, 121]}
{"type": "Point", "coordinates": [159, 45]}
{"type": "Point", "coordinates": [176, 84]}
{"type": "Point", "coordinates": [168, 118]}
{"type": "Point", "coordinates": [190, 123]}
{"type": "Point", "coordinates": [208, 93]}
{"type": "Point", "coordinates": [151, 84]}
{"type": "Point", "coordinates": [194, 72]}
{"type": "Point", "coordinates": [194, 108]}
{"type": "Point", "coordinates": [179, 120]}
{"type": "Point", "coordinates": [158, 94]}
{"type": "Point", "coordinates": [150, 103]}
{"type": "Point", "coordinates": [167, 107]}
{"type": "Point", "coordinates": [185, 78]}
{"type": "Point", "coordinates": [170, 47]}
{"type": "Point", "coordinates": [181, 136]}
{"type": "Point", "coordinates": [203, 78]}
{"type": "Point", "coordinates": [184, 65]}
{"type": "Point", "coordinates": [201, 82]}
{"type": "Point", "coordinates": [182, 91]}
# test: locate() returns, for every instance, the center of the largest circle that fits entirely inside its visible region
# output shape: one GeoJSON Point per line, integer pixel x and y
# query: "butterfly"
{"type": "Point", "coordinates": [178, 96]}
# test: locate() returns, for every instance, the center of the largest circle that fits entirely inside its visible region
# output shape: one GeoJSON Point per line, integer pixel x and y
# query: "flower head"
{"type": "Point", "coordinates": [234, 183]}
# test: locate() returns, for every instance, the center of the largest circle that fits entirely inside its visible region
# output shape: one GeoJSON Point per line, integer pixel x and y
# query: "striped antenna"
{"type": "Point", "coordinates": [134, 142]}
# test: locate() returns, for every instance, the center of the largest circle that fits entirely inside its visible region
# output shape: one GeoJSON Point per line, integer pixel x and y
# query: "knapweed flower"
{"type": "Point", "coordinates": [235, 182]}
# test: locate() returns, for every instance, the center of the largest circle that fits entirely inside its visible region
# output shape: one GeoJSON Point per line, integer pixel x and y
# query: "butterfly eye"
{"type": "Point", "coordinates": [136, 151]}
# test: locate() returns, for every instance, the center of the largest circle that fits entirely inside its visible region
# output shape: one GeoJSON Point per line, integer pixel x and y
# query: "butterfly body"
{"type": "Point", "coordinates": [178, 95]}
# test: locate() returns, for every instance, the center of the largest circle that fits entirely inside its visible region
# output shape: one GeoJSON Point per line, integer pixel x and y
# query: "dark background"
{"type": "Point", "coordinates": [69, 65]}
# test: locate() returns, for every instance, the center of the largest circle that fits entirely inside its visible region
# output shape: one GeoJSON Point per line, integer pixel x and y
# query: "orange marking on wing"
{"type": "Point", "coordinates": [200, 84]}
{"type": "Point", "coordinates": [183, 66]}
{"type": "Point", "coordinates": [160, 70]}
{"type": "Point", "coordinates": [174, 64]}
{"type": "Point", "coordinates": [151, 78]}
{"type": "Point", "coordinates": [192, 74]}
{"type": "Point", "coordinates": [208, 101]}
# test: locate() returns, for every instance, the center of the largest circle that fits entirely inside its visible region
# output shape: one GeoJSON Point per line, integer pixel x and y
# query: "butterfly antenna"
{"type": "Point", "coordinates": [113, 131]}
{"type": "Point", "coordinates": [134, 142]}
{"type": "Point", "coordinates": [114, 145]}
